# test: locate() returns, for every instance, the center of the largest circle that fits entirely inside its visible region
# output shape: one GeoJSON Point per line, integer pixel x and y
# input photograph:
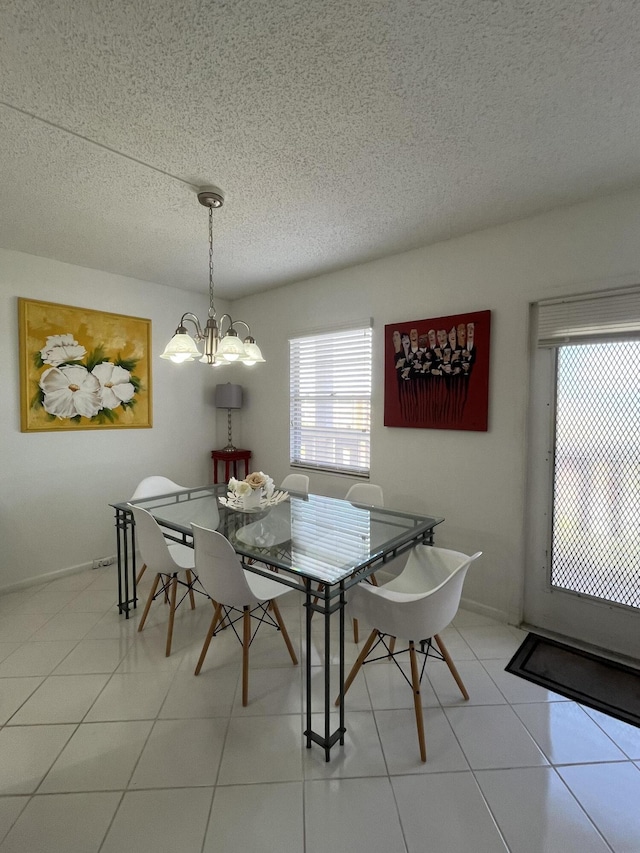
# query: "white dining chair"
{"type": "Point", "coordinates": [149, 488]}
{"type": "Point", "coordinates": [296, 483]}
{"type": "Point", "coordinates": [236, 594]}
{"type": "Point", "coordinates": [416, 606]}
{"type": "Point", "coordinates": [172, 563]}
{"type": "Point", "coordinates": [365, 493]}
{"type": "Point", "coordinates": [370, 494]}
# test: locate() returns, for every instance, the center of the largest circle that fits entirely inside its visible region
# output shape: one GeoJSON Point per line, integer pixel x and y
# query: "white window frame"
{"type": "Point", "coordinates": [330, 400]}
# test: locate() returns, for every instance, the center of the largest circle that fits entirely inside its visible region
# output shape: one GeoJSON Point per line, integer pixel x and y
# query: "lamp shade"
{"type": "Point", "coordinates": [231, 347]}
{"type": "Point", "coordinates": [228, 396]}
{"type": "Point", "coordinates": [181, 348]}
{"type": "Point", "coordinates": [254, 356]}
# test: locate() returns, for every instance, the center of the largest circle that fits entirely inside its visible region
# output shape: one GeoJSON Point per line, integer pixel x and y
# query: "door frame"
{"type": "Point", "coordinates": [610, 627]}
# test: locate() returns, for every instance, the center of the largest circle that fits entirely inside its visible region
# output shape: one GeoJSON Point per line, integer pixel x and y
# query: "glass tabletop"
{"type": "Point", "coordinates": [314, 536]}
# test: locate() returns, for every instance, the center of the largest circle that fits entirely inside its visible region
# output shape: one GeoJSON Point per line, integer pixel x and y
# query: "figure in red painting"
{"type": "Point", "coordinates": [468, 354]}
{"type": "Point", "coordinates": [433, 369]}
{"type": "Point", "coordinates": [462, 335]}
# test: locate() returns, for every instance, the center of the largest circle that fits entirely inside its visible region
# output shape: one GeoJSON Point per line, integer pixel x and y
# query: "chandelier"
{"type": "Point", "coordinates": [219, 348]}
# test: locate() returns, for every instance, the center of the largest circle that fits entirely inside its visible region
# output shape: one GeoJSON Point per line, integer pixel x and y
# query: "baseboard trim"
{"type": "Point", "coordinates": [465, 603]}
{"type": "Point", "coordinates": [45, 578]}
{"type": "Point", "coordinates": [485, 610]}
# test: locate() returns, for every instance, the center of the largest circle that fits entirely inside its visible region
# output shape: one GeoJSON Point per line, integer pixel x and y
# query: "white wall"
{"type": "Point", "coordinates": [475, 480]}
{"type": "Point", "coordinates": [55, 488]}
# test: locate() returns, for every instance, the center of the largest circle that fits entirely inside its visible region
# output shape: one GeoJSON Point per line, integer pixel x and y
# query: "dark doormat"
{"type": "Point", "coordinates": [605, 685]}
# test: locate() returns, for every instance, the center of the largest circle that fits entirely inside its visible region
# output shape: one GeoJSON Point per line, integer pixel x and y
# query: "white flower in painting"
{"type": "Point", "coordinates": [115, 387]}
{"type": "Point", "coordinates": [61, 348]}
{"type": "Point", "coordinates": [70, 391]}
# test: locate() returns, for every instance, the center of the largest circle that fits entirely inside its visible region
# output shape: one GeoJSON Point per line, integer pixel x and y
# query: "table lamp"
{"type": "Point", "coordinates": [228, 397]}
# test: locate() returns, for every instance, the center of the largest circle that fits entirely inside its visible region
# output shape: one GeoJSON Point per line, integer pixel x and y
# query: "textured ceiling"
{"type": "Point", "coordinates": [339, 130]}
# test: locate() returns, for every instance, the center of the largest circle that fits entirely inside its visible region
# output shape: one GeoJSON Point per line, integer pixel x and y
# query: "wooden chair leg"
{"type": "Point", "coordinates": [246, 639]}
{"type": "Point", "coordinates": [172, 613]}
{"type": "Point", "coordinates": [356, 632]}
{"type": "Point", "coordinates": [143, 569]}
{"type": "Point", "coordinates": [392, 646]}
{"type": "Point", "coordinates": [192, 598]}
{"type": "Point", "coordinates": [283, 630]}
{"type": "Point", "coordinates": [356, 667]}
{"type": "Point", "coordinates": [217, 613]}
{"type": "Point", "coordinates": [417, 701]}
{"type": "Point", "coordinates": [224, 621]}
{"type": "Point", "coordinates": [451, 665]}
{"type": "Point", "coordinates": [148, 604]}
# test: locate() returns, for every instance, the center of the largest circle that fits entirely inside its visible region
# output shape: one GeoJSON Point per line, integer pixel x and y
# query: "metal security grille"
{"type": "Point", "coordinates": [596, 505]}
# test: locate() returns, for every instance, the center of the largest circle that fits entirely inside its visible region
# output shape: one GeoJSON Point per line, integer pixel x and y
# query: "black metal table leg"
{"type": "Point", "coordinates": [119, 558]}
{"type": "Point", "coordinates": [126, 554]}
{"type": "Point", "coordinates": [309, 614]}
{"type": "Point", "coordinates": [327, 677]}
{"type": "Point", "coordinates": [343, 602]}
{"type": "Point", "coordinates": [328, 606]}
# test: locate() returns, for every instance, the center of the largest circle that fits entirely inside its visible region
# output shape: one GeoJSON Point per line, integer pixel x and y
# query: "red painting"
{"type": "Point", "coordinates": [436, 372]}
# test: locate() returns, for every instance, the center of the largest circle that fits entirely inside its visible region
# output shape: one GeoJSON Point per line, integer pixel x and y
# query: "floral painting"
{"type": "Point", "coordinates": [437, 372]}
{"type": "Point", "coordinates": [82, 369]}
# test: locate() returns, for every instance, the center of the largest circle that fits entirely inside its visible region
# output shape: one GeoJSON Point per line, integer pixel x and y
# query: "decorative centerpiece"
{"type": "Point", "coordinates": [253, 493]}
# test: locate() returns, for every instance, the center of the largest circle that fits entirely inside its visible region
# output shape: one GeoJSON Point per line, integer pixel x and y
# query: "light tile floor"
{"type": "Point", "coordinates": [107, 745]}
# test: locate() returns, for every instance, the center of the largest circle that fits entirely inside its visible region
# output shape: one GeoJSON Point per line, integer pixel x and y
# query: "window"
{"type": "Point", "coordinates": [330, 400]}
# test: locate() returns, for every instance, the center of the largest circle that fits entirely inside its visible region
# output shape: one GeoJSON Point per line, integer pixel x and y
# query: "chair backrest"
{"type": "Point", "coordinates": [155, 485]}
{"type": "Point", "coordinates": [219, 568]}
{"type": "Point", "coordinates": [296, 483]}
{"type": "Point", "coordinates": [365, 493]}
{"type": "Point", "coordinates": [151, 542]}
{"type": "Point", "coordinates": [422, 600]}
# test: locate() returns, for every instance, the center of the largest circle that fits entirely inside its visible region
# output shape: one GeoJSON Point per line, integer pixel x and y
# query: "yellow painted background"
{"type": "Point", "coordinates": [119, 335]}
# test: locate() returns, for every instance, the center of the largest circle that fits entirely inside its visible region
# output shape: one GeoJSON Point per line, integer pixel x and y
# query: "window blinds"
{"type": "Point", "coordinates": [336, 537]}
{"type": "Point", "coordinates": [589, 319]}
{"type": "Point", "coordinates": [330, 400]}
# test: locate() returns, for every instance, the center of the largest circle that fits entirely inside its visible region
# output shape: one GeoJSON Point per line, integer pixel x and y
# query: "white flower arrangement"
{"type": "Point", "coordinates": [257, 481]}
{"type": "Point", "coordinates": [73, 389]}
{"type": "Point", "coordinates": [255, 490]}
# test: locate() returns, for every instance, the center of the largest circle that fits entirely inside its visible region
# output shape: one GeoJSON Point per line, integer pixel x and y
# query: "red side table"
{"type": "Point", "coordinates": [231, 458]}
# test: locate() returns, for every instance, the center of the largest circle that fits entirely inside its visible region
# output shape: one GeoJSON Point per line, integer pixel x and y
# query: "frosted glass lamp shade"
{"type": "Point", "coordinates": [181, 348]}
{"type": "Point", "coordinates": [254, 356]}
{"type": "Point", "coordinates": [231, 348]}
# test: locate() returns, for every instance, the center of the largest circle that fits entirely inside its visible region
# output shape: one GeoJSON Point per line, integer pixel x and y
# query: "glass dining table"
{"type": "Point", "coordinates": [318, 545]}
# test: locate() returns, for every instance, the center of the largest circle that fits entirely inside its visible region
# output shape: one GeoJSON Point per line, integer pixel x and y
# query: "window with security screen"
{"type": "Point", "coordinates": [596, 499]}
{"type": "Point", "coordinates": [330, 401]}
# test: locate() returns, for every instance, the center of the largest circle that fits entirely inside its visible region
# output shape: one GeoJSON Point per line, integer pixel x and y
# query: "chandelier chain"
{"type": "Point", "coordinates": [212, 310]}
